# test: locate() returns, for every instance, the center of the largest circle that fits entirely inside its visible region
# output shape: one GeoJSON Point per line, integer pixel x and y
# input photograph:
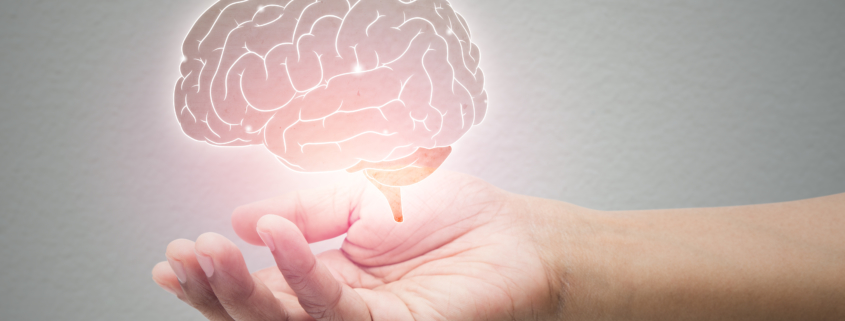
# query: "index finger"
{"type": "Point", "coordinates": [320, 214]}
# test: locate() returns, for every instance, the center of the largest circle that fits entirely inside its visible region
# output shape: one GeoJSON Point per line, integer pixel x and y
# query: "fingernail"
{"type": "Point", "coordinates": [268, 240]}
{"type": "Point", "coordinates": [206, 264]}
{"type": "Point", "coordinates": [179, 269]}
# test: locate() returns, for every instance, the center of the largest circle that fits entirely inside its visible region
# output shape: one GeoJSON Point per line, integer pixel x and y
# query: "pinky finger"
{"type": "Point", "coordinates": [164, 276]}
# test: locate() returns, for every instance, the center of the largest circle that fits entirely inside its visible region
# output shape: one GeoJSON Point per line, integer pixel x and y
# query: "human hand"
{"type": "Point", "coordinates": [466, 251]}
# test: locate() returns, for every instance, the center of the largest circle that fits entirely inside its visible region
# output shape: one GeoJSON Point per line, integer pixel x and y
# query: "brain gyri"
{"type": "Point", "coordinates": [328, 84]}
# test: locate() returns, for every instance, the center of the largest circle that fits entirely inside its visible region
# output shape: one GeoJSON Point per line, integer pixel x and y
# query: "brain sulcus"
{"type": "Point", "coordinates": [329, 84]}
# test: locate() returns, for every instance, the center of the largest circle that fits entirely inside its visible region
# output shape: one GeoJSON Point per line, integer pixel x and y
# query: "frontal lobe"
{"type": "Point", "coordinates": [328, 84]}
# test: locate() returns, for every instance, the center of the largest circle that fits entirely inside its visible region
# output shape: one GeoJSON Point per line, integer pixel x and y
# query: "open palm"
{"type": "Point", "coordinates": [464, 252]}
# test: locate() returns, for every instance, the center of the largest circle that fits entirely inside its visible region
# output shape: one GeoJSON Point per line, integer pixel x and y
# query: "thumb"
{"type": "Point", "coordinates": [319, 293]}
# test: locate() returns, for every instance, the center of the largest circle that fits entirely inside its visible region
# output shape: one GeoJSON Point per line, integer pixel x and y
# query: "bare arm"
{"type": "Point", "coordinates": [470, 251]}
{"type": "Point", "coordinates": [783, 261]}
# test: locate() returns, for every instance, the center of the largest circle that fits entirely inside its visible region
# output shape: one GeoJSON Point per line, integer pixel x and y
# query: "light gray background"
{"type": "Point", "coordinates": [605, 104]}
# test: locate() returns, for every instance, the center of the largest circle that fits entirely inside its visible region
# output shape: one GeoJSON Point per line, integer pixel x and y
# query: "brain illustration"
{"type": "Point", "coordinates": [331, 85]}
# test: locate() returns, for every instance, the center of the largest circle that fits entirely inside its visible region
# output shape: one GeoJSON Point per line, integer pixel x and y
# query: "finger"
{"type": "Point", "coordinates": [347, 272]}
{"type": "Point", "coordinates": [244, 297]}
{"type": "Point", "coordinates": [319, 293]}
{"type": "Point", "coordinates": [320, 214]}
{"type": "Point", "coordinates": [197, 291]}
{"type": "Point", "coordinates": [275, 281]}
{"type": "Point", "coordinates": [164, 276]}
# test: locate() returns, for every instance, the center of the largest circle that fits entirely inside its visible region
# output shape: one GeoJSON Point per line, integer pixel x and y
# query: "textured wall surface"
{"type": "Point", "coordinates": [606, 104]}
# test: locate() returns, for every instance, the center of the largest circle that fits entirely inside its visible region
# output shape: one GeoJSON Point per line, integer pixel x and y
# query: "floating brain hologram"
{"type": "Point", "coordinates": [379, 86]}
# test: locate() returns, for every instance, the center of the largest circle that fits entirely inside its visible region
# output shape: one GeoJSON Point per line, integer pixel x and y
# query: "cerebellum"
{"type": "Point", "coordinates": [332, 84]}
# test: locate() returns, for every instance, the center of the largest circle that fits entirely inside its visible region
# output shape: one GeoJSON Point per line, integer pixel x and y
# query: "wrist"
{"type": "Point", "coordinates": [683, 264]}
{"type": "Point", "coordinates": [576, 247]}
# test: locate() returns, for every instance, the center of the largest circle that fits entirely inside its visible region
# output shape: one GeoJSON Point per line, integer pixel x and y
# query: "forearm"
{"type": "Point", "coordinates": [766, 262]}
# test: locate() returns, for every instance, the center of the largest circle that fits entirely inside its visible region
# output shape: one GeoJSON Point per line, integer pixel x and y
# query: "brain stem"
{"type": "Point", "coordinates": [394, 198]}
{"type": "Point", "coordinates": [389, 176]}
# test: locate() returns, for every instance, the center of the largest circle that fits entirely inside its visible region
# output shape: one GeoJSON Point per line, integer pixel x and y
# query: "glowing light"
{"type": "Point", "coordinates": [346, 82]}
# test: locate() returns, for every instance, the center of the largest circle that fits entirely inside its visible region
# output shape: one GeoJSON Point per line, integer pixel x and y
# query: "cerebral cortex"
{"type": "Point", "coordinates": [327, 85]}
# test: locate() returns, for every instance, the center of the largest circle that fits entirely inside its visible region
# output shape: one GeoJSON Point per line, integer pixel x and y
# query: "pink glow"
{"type": "Point", "coordinates": [328, 85]}
{"type": "Point", "coordinates": [325, 85]}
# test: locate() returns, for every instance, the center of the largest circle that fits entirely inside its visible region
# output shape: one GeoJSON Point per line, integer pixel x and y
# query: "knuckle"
{"type": "Point", "coordinates": [294, 279]}
{"type": "Point", "coordinates": [300, 279]}
{"type": "Point", "coordinates": [237, 294]}
{"type": "Point", "coordinates": [204, 301]}
{"type": "Point", "coordinates": [201, 298]}
{"type": "Point", "coordinates": [322, 308]}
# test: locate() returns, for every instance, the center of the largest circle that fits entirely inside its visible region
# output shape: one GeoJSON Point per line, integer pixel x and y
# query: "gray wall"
{"type": "Point", "coordinates": [605, 104]}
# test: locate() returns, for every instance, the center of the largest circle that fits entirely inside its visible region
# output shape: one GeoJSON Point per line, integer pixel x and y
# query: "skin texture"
{"type": "Point", "coordinates": [462, 253]}
{"type": "Point", "coordinates": [781, 261]}
{"type": "Point", "coordinates": [470, 251]}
